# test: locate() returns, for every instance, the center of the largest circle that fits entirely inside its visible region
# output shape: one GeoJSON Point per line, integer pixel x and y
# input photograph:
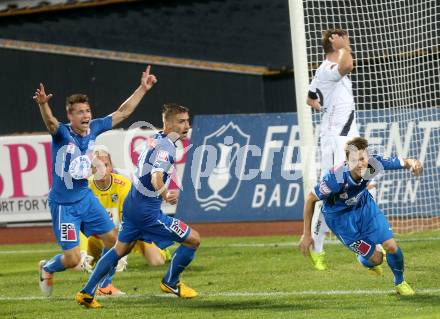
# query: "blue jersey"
{"type": "Point", "coordinates": [71, 160]}
{"type": "Point", "coordinates": [340, 193]}
{"type": "Point", "coordinates": [143, 202]}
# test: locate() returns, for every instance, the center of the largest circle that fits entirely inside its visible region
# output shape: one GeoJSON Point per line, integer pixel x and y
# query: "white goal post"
{"type": "Point", "coordinates": [396, 85]}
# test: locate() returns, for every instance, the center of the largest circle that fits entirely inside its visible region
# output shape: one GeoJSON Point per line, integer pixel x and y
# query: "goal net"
{"type": "Point", "coordinates": [397, 93]}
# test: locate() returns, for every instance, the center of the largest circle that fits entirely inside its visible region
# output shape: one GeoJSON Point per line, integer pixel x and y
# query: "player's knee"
{"type": "Point", "coordinates": [377, 259]}
{"type": "Point", "coordinates": [122, 249]}
{"type": "Point", "coordinates": [193, 239]}
{"type": "Point", "coordinates": [156, 261]}
{"type": "Point", "coordinates": [390, 246]}
{"type": "Point", "coordinates": [109, 239]}
{"type": "Point", "coordinates": [71, 260]}
{"type": "Point", "coordinates": [391, 249]}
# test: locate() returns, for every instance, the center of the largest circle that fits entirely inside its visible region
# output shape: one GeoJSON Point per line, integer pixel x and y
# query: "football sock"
{"type": "Point", "coordinates": [395, 261]}
{"type": "Point", "coordinates": [181, 259]}
{"type": "Point", "coordinates": [54, 265]}
{"type": "Point", "coordinates": [105, 265]}
{"type": "Point", "coordinates": [365, 262]}
{"type": "Point", "coordinates": [318, 233]}
{"type": "Point", "coordinates": [109, 277]}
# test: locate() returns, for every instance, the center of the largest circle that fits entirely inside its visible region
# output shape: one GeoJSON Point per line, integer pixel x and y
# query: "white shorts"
{"type": "Point", "coordinates": [332, 152]}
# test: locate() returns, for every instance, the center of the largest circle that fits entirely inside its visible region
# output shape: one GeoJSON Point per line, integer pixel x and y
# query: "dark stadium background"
{"type": "Point", "coordinates": [239, 32]}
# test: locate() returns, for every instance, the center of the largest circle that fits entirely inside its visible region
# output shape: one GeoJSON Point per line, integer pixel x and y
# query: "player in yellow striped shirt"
{"type": "Point", "coordinates": [111, 190]}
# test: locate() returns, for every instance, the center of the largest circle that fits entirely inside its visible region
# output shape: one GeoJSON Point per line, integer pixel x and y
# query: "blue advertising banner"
{"type": "Point", "coordinates": [248, 167]}
{"type": "Point", "coordinates": [407, 133]}
{"type": "Point", "coordinates": [243, 168]}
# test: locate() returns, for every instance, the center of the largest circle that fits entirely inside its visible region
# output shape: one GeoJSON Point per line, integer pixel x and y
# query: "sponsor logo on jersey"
{"type": "Point", "coordinates": [114, 198]}
{"type": "Point", "coordinates": [162, 156]}
{"type": "Point", "coordinates": [354, 200]}
{"type": "Point", "coordinates": [360, 247]}
{"type": "Point", "coordinates": [179, 227]}
{"type": "Point", "coordinates": [68, 232]}
{"type": "Point", "coordinates": [80, 167]}
{"type": "Point", "coordinates": [118, 181]}
{"type": "Point", "coordinates": [324, 189]}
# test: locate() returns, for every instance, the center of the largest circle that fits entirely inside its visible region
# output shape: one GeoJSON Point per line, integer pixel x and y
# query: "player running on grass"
{"type": "Point", "coordinates": [72, 204]}
{"type": "Point", "coordinates": [351, 213]}
{"type": "Point", "coordinates": [142, 218]}
{"type": "Point", "coordinates": [111, 189]}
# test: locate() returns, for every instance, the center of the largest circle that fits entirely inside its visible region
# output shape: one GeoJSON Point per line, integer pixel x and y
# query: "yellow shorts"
{"type": "Point", "coordinates": [94, 246]}
{"type": "Point", "coordinates": [140, 246]}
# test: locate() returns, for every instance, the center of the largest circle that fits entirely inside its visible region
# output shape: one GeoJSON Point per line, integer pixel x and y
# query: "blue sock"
{"type": "Point", "coordinates": [54, 265]}
{"type": "Point", "coordinates": [365, 262]}
{"type": "Point", "coordinates": [395, 261]}
{"type": "Point", "coordinates": [104, 266]}
{"type": "Point", "coordinates": [109, 278]}
{"type": "Point", "coordinates": [181, 259]}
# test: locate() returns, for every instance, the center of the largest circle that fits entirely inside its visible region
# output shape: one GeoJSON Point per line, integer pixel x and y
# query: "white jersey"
{"type": "Point", "coordinates": [336, 98]}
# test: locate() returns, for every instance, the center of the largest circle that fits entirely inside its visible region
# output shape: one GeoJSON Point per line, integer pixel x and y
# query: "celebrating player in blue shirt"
{"type": "Point", "coordinates": [351, 213]}
{"type": "Point", "coordinates": [142, 218]}
{"type": "Point", "coordinates": [72, 204]}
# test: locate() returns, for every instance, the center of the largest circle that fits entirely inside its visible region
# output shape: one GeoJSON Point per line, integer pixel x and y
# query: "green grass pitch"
{"type": "Point", "coordinates": [237, 277]}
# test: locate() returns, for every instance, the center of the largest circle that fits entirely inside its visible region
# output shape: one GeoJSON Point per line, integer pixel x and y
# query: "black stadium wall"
{"type": "Point", "coordinates": [246, 32]}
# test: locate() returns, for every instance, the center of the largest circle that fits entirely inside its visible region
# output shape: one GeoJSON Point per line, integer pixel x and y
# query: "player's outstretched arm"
{"type": "Point", "coordinates": [128, 107]}
{"type": "Point", "coordinates": [415, 166]}
{"type": "Point", "coordinates": [42, 100]}
{"type": "Point", "coordinates": [306, 239]}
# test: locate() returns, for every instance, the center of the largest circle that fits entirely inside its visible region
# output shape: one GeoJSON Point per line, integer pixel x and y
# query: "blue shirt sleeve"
{"type": "Point", "coordinates": [327, 187]}
{"type": "Point", "coordinates": [101, 125]}
{"type": "Point", "coordinates": [387, 163]}
{"type": "Point", "coordinates": [61, 134]}
{"type": "Point", "coordinates": [162, 158]}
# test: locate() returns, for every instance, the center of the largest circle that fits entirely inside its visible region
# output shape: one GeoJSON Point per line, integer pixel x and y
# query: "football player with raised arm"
{"type": "Point", "coordinates": [352, 214]}
{"type": "Point", "coordinates": [330, 93]}
{"type": "Point", "coordinates": [72, 204]}
{"type": "Point", "coordinates": [142, 218]}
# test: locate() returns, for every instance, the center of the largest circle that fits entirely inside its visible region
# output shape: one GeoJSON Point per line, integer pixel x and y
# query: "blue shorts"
{"type": "Point", "coordinates": [87, 215]}
{"type": "Point", "coordinates": [163, 231]}
{"type": "Point", "coordinates": [361, 229]}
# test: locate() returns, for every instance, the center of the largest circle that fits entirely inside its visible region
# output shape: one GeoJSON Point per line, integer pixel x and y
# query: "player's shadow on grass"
{"type": "Point", "coordinates": [226, 305]}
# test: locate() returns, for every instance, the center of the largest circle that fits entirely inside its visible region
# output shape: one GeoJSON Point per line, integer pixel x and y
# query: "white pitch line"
{"type": "Point", "coordinates": [243, 294]}
{"type": "Point", "coordinates": [29, 251]}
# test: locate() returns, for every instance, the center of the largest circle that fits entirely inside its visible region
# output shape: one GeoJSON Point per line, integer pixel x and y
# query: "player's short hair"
{"type": "Point", "coordinates": [169, 110]}
{"type": "Point", "coordinates": [356, 143]}
{"type": "Point", "coordinates": [75, 98]}
{"type": "Point", "coordinates": [326, 44]}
